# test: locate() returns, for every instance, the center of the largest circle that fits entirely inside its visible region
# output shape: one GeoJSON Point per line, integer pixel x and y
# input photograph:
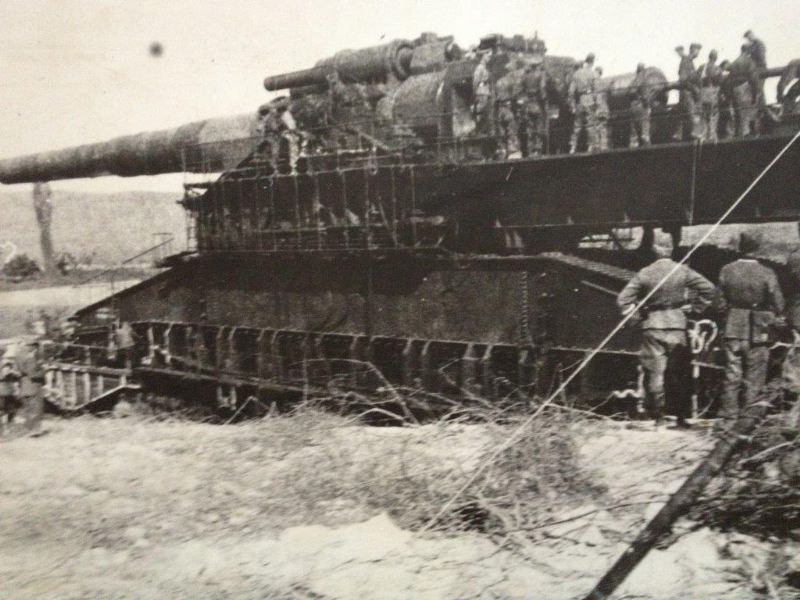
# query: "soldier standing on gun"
{"type": "Point", "coordinates": [640, 96]}
{"type": "Point", "coordinates": [664, 353]}
{"type": "Point", "coordinates": [601, 112]}
{"type": "Point", "coordinates": [752, 301]}
{"type": "Point", "coordinates": [534, 117]}
{"type": "Point", "coordinates": [581, 102]}
{"type": "Point", "coordinates": [710, 76]}
{"type": "Point", "coordinates": [726, 118]}
{"type": "Point", "coordinates": [689, 93]}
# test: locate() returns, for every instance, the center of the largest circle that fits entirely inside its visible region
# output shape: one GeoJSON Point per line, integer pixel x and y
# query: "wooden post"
{"type": "Point", "coordinates": [679, 503]}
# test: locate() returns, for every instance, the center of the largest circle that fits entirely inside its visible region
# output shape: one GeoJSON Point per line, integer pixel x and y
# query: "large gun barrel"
{"type": "Point", "coordinates": [367, 65]}
{"type": "Point", "coordinates": [221, 142]}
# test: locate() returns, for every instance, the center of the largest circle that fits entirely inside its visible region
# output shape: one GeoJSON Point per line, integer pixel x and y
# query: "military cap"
{"type": "Point", "coordinates": [679, 49]}
{"type": "Point", "coordinates": [749, 243]}
{"type": "Point", "coordinates": [590, 57]}
{"type": "Point", "coordinates": [748, 33]}
{"type": "Point", "coordinates": [640, 67]}
{"type": "Point", "coordinates": [713, 54]}
{"type": "Point", "coordinates": [264, 109]}
{"type": "Point", "coordinates": [695, 46]}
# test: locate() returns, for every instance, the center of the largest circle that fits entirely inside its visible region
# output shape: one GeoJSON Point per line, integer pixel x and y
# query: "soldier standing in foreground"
{"type": "Point", "coordinates": [580, 96]}
{"type": "Point", "coordinates": [664, 353]}
{"type": "Point", "coordinates": [752, 299]}
{"type": "Point", "coordinates": [689, 93]}
{"type": "Point", "coordinates": [640, 96]}
{"type": "Point", "coordinates": [710, 76]}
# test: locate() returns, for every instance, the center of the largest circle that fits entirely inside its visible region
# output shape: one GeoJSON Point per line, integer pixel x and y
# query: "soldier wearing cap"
{"type": "Point", "coordinates": [752, 301]}
{"type": "Point", "coordinates": [664, 354]}
{"type": "Point", "coordinates": [689, 92]}
{"type": "Point", "coordinates": [581, 100]}
{"type": "Point", "coordinates": [710, 76]}
{"type": "Point", "coordinates": [533, 122]}
{"type": "Point", "coordinates": [640, 94]}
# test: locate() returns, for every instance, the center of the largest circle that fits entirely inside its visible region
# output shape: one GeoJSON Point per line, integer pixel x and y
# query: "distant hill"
{"type": "Point", "coordinates": [107, 227]}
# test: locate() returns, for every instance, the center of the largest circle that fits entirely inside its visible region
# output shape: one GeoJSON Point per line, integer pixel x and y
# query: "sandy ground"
{"type": "Point", "coordinates": [130, 508]}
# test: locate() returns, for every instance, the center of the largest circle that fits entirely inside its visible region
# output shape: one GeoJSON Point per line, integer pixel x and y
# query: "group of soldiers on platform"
{"type": "Point", "coordinates": [719, 100]}
{"type": "Point", "coordinates": [526, 110]}
{"type": "Point", "coordinates": [749, 299]}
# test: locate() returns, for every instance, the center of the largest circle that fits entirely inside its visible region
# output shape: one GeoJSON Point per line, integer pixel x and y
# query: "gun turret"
{"type": "Point", "coordinates": [224, 142]}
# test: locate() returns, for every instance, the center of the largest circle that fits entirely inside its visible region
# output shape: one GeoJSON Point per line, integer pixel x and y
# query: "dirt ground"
{"type": "Point", "coordinates": [288, 508]}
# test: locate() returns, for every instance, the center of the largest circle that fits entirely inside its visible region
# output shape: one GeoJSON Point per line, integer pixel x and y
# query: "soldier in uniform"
{"type": "Point", "coordinates": [276, 123]}
{"type": "Point", "coordinates": [580, 96]}
{"type": "Point", "coordinates": [758, 52]}
{"type": "Point", "coordinates": [10, 377]}
{"type": "Point", "coordinates": [640, 95]}
{"type": "Point", "coordinates": [601, 112]}
{"type": "Point", "coordinates": [508, 97]}
{"type": "Point", "coordinates": [482, 96]}
{"type": "Point", "coordinates": [710, 76]}
{"type": "Point", "coordinates": [726, 119]}
{"type": "Point", "coordinates": [689, 92]}
{"type": "Point", "coordinates": [664, 354]}
{"type": "Point", "coordinates": [534, 114]}
{"type": "Point", "coordinates": [752, 300]}
{"type": "Point", "coordinates": [743, 81]}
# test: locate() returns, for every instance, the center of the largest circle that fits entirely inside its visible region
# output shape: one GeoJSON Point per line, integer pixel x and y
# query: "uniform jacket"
{"type": "Point", "coordinates": [640, 90]}
{"type": "Point", "coordinates": [582, 83]}
{"type": "Point", "coordinates": [752, 298]}
{"type": "Point", "coordinates": [687, 75]}
{"type": "Point", "coordinates": [534, 85]}
{"type": "Point", "coordinates": [663, 310]}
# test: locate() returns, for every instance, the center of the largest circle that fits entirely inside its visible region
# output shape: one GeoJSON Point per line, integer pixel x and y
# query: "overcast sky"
{"type": "Point", "coordinates": [79, 71]}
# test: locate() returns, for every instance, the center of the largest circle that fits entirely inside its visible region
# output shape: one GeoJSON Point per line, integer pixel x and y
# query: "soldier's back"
{"type": "Point", "coordinates": [745, 283]}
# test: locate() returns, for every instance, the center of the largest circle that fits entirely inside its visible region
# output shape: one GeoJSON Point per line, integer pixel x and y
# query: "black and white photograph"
{"type": "Point", "coordinates": [399, 300]}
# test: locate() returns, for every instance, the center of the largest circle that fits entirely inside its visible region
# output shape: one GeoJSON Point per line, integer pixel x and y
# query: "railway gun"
{"type": "Point", "coordinates": [387, 243]}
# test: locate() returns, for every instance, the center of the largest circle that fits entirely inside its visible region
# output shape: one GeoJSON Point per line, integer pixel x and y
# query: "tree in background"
{"type": "Point", "coordinates": [44, 216]}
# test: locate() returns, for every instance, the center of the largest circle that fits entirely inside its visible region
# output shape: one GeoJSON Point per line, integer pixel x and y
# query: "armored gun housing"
{"type": "Point", "coordinates": [386, 241]}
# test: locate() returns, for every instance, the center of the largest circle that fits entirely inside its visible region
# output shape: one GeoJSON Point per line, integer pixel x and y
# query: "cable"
{"type": "Point", "coordinates": [512, 439]}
